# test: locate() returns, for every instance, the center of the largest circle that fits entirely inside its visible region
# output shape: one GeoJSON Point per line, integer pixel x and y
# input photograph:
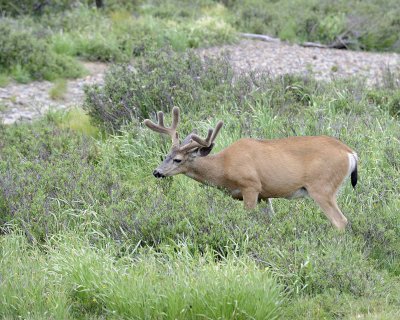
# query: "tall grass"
{"type": "Point", "coordinates": [97, 233]}
{"type": "Point", "coordinates": [73, 278]}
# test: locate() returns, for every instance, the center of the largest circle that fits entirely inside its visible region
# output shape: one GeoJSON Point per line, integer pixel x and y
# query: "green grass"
{"type": "Point", "coordinates": [71, 277]}
{"type": "Point", "coordinates": [59, 89]}
{"type": "Point", "coordinates": [87, 232]}
{"type": "Point", "coordinates": [77, 120]}
{"type": "Point", "coordinates": [4, 80]}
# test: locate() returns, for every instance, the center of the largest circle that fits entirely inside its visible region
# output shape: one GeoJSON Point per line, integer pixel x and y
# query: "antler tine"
{"type": "Point", "coordinates": [160, 116]}
{"type": "Point", "coordinates": [161, 128]}
{"type": "Point", "coordinates": [216, 130]}
{"type": "Point", "coordinates": [175, 118]}
{"type": "Point", "coordinates": [203, 142]}
{"type": "Point", "coordinates": [199, 142]}
{"type": "Point", "coordinates": [212, 134]}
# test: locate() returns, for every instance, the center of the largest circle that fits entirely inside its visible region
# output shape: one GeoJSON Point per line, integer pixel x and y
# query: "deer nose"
{"type": "Point", "coordinates": [157, 174]}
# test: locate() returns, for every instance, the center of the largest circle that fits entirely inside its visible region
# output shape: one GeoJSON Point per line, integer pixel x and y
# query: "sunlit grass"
{"type": "Point", "coordinates": [75, 277]}
{"type": "Point", "coordinates": [4, 80]}
{"type": "Point", "coordinates": [59, 89]}
{"type": "Point", "coordinates": [76, 120]}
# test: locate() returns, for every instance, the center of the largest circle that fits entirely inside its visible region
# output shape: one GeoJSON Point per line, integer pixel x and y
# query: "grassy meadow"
{"type": "Point", "coordinates": [86, 231]}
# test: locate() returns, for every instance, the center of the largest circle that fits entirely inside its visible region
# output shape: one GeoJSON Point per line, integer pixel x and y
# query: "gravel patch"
{"type": "Point", "coordinates": [29, 101]}
{"type": "Point", "coordinates": [19, 102]}
{"type": "Point", "coordinates": [324, 64]}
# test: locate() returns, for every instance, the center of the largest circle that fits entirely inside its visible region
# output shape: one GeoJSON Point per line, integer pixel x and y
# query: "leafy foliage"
{"type": "Point", "coordinates": [159, 82]}
{"type": "Point", "coordinates": [353, 22]}
{"type": "Point", "coordinates": [29, 57]}
{"type": "Point", "coordinates": [33, 7]}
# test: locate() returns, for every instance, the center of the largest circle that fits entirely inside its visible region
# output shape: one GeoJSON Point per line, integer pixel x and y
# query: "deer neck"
{"type": "Point", "coordinates": [207, 170]}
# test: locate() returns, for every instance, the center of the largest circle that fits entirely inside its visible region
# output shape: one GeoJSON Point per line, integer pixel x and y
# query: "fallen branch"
{"type": "Point", "coordinates": [260, 37]}
{"type": "Point", "coordinates": [339, 43]}
{"type": "Point", "coordinates": [314, 45]}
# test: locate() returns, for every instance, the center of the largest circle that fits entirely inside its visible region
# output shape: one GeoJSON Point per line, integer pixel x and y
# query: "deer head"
{"type": "Point", "coordinates": [182, 154]}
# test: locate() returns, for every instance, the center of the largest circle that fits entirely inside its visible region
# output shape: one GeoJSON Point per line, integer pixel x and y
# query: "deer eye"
{"type": "Point", "coordinates": [177, 160]}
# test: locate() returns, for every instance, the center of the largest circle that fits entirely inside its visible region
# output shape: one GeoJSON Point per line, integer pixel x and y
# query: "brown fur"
{"type": "Point", "coordinates": [253, 170]}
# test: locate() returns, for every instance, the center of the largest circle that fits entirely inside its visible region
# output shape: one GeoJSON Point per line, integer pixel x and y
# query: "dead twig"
{"type": "Point", "coordinates": [341, 41]}
{"type": "Point", "coordinates": [260, 37]}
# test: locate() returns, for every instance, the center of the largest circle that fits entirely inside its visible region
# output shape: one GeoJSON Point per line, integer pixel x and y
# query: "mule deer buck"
{"type": "Point", "coordinates": [253, 170]}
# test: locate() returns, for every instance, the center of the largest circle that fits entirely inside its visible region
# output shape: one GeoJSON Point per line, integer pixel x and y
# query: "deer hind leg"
{"type": "Point", "coordinates": [329, 206]}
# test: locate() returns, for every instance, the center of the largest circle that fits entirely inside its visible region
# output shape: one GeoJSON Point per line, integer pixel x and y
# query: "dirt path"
{"type": "Point", "coordinates": [29, 101]}
{"type": "Point", "coordinates": [19, 102]}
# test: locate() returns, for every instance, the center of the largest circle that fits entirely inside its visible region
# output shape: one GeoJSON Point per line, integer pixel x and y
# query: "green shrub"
{"type": "Point", "coordinates": [200, 86]}
{"type": "Point", "coordinates": [121, 35]}
{"type": "Point", "coordinates": [161, 81]}
{"type": "Point", "coordinates": [322, 21]}
{"type": "Point", "coordinates": [62, 184]}
{"type": "Point", "coordinates": [33, 7]}
{"type": "Point", "coordinates": [27, 56]}
{"type": "Point", "coordinates": [42, 186]}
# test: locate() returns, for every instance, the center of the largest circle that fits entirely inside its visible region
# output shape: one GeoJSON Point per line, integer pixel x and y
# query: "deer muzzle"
{"type": "Point", "coordinates": [158, 174]}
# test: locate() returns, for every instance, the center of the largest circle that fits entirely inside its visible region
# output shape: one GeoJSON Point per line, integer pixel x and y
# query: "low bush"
{"type": "Point", "coordinates": [45, 47]}
{"type": "Point", "coordinates": [28, 57]}
{"type": "Point", "coordinates": [33, 7]}
{"type": "Point", "coordinates": [161, 81]}
{"type": "Point", "coordinates": [61, 184]}
{"type": "Point", "coordinates": [119, 35]}
{"type": "Point", "coordinates": [354, 23]}
{"type": "Point", "coordinates": [199, 86]}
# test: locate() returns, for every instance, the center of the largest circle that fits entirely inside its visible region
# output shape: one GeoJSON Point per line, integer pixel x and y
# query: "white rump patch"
{"type": "Point", "coordinates": [353, 159]}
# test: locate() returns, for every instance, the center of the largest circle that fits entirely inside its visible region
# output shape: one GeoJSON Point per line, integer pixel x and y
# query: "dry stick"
{"type": "Point", "coordinates": [277, 40]}
{"type": "Point", "coordinates": [339, 43]}
{"type": "Point", "coordinates": [314, 45]}
{"type": "Point", "coordinates": [259, 37]}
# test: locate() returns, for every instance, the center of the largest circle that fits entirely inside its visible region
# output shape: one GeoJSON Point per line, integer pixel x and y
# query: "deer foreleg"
{"type": "Point", "coordinates": [250, 198]}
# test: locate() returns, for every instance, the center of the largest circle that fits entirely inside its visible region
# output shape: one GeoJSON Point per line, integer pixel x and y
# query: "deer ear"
{"type": "Point", "coordinates": [188, 138]}
{"type": "Point", "coordinates": [205, 151]}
